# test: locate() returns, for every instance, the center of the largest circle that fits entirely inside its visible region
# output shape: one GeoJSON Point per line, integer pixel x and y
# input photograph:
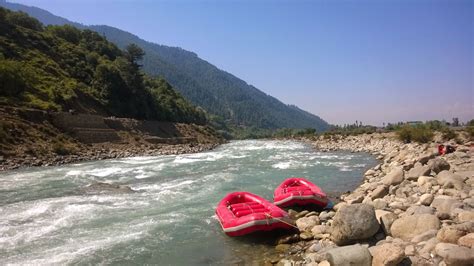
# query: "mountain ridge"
{"type": "Point", "coordinates": [217, 91]}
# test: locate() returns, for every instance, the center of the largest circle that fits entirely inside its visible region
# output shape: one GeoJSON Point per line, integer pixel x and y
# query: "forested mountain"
{"type": "Point", "coordinates": [218, 92]}
{"type": "Point", "coordinates": [62, 67]}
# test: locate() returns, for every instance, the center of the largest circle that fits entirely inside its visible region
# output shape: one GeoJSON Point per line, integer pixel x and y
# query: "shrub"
{"type": "Point", "coordinates": [12, 78]}
{"type": "Point", "coordinates": [404, 134]}
{"type": "Point", "coordinates": [448, 134]}
{"type": "Point", "coordinates": [418, 133]}
{"type": "Point", "coordinates": [470, 131]}
{"type": "Point", "coordinates": [61, 149]}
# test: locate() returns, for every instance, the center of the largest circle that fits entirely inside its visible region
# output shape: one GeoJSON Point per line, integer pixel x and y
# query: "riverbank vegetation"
{"type": "Point", "coordinates": [61, 68]}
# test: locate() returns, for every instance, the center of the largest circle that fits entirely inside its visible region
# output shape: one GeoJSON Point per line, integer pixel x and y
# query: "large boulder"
{"type": "Point", "coordinates": [425, 157]}
{"type": "Point", "coordinates": [417, 171]}
{"type": "Point", "coordinates": [410, 226]}
{"type": "Point", "coordinates": [354, 222]}
{"type": "Point", "coordinates": [386, 254]}
{"type": "Point", "coordinates": [445, 204]}
{"type": "Point", "coordinates": [394, 177]}
{"type": "Point", "coordinates": [438, 164]}
{"type": "Point", "coordinates": [349, 256]}
{"type": "Point", "coordinates": [455, 255]}
{"type": "Point", "coordinates": [448, 179]}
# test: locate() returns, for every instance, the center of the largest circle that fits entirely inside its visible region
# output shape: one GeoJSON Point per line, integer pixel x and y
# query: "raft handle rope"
{"type": "Point", "coordinates": [280, 220]}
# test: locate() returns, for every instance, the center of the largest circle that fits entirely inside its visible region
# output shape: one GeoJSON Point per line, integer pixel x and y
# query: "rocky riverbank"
{"type": "Point", "coordinates": [413, 208]}
{"type": "Point", "coordinates": [31, 137]}
{"type": "Point", "coordinates": [101, 152]}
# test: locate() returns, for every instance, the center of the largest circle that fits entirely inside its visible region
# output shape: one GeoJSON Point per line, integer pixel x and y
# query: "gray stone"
{"type": "Point", "coordinates": [466, 216]}
{"type": "Point", "coordinates": [425, 157]}
{"type": "Point", "coordinates": [101, 188]}
{"type": "Point", "coordinates": [324, 216]}
{"type": "Point", "coordinates": [410, 250]}
{"type": "Point", "coordinates": [467, 240]}
{"type": "Point", "coordinates": [425, 236]}
{"type": "Point", "coordinates": [379, 204]}
{"type": "Point", "coordinates": [321, 246]}
{"type": "Point", "coordinates": [370, 172]}
{"type": "Point", "coordinates": [379, 192]}
{"type": "Point", "coordinates": [461, 154]}
{"type": "Point", "coordinates": [455, 255]}
{"type": "Point", "coordinates": [289, 239]}
{"type": "Point", "coordinates": [426, 199]}
{"type": "Point", "coordinates": [339, 205]}
{"type": "Point", "coordinates": [312, 258]}
{"type": "Point", "coordinates": [386, 254]}
{"type": "Point", "coordinates": [424, 180]}
{"type": "Point", "coordinates": [282, 247]}
{"type": "Point", "coordinates": [324, 263]}
{"type": "Point", "coordinates": [301, 214]}
{"type": "Point", "coordinates": [410, 226]}
{"type": "Point", "coordinates": [352, 199]}
{"type": "Point", "coordinates": [427, 247]}
{"type": "Point", "coordinates": [416, 209]}
{"type": "Point", "coordinates": [450, 180]}
{"type": "Point", "coordinates": [349, 256]}
{"type": "Point", "coordinates": [306, 223]}
{"type": "Point", "coordinates": [386, 222]}
{"type": "Point", "coordinates": [354, 222]}
{"type": "Point", "coordinates": [311, 214]}
{"type": "Point", "coordinates": [445, 204]}
{"type": "Point", "coordinates": [451, 234]}
{"type": "Point", "coordinates": [320, 229]}
{"type": "Point", "coordinates": [306, 236]}
{"type": "Point", "coordinates": [418, 171]}
{"type": "Point", "coordinates": [292, 213]}
{"type": "Point", "coordinates": [395, 177]}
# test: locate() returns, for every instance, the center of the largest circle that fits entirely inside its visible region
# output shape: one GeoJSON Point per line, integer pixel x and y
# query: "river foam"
{"type": "Point", "coordinates": [48, 218]}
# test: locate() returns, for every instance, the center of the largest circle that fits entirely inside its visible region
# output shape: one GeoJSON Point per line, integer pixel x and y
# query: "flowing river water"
{"type": "Point", "coordinates": [48, 217]}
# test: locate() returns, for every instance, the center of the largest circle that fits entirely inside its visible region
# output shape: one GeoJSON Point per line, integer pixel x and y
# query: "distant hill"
{"type": "Point", "coordinates": [62, 68]}
{"type": "Point", "coordinates": [218, 92]}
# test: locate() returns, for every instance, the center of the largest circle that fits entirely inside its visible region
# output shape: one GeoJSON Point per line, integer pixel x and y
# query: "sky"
{"type": "Point", "coordinates": [373, 61]}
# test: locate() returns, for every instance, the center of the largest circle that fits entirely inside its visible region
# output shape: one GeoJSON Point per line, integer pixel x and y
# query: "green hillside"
{"type": "Point", "coordinates": [62, 68]}
{"type": "Point", "coordinates": [218, 92]}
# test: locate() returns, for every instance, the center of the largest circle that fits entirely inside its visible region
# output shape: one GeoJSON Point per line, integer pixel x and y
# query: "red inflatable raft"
{"type": "Point", "coordinates": [299, 191]}
{"type": "Point", "coordinates": [241, 213]}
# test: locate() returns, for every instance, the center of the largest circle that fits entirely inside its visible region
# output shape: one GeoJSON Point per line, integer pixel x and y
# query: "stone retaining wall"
{"type": "Point", "coordinates": [89, 128]}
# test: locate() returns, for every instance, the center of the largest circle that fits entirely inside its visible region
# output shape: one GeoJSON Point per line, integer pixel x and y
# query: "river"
{"type": "Point", "coordinates": [48, 217]}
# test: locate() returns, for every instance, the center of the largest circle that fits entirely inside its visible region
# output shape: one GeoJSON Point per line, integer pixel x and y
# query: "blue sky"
{"type": "Point", "coordinates": [373, 61]}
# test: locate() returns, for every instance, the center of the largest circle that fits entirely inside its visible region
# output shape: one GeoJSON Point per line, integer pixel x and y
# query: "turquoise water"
{"type": "Point", "coordinates": [47, 217]}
